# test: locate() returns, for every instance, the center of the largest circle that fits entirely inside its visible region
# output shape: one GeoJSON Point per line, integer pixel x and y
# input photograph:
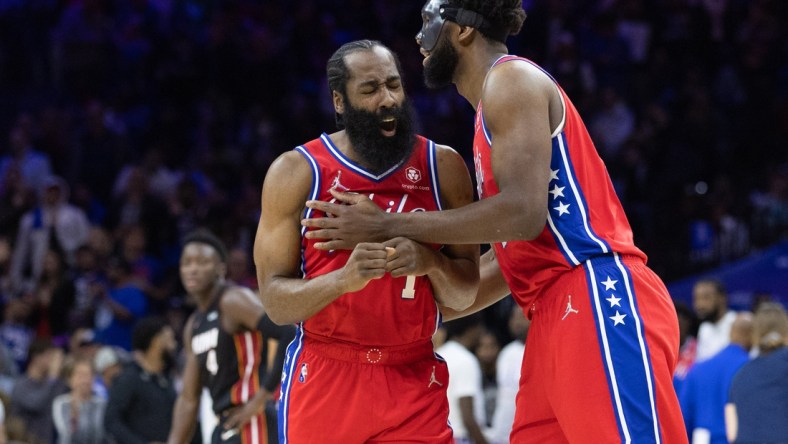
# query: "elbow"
{"type": "Point", "coordinates": [276, 315]}
{"type": "Point", "coordinates": [526, 219]}
{"type": "Point", "coordinates": [464, 298]}
{"type": "Point", "coordinates": [462, 304]}
{"type": "Point", "coordinates": [530, 226]}
{"type": "Point", "coordinates": [278, 318]}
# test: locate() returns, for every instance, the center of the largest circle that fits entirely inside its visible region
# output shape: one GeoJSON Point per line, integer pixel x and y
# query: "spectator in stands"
{"type": "Point", "coordinates": [710, 300]}
{"type": "Point", "coordinates": [54, 298]}
{"type": "Point", "coordinates": [508, 366]}
{"type": "Point", "coordinates": [53, 224]}
{"type": "Point", "coordinates": [16, 198]}
{"type": "Point", "coordinates": [14, 331]}
{"type": "Point", "coordinates": [758, 403]}
{"type": "Point", "coordinates": [487, 353]}
{"type": "Point", "coordinates": [89, 283]}
{"type": "Point", "coordinates": [120, 306]}
{"type": "Point", "coordinates": [108, 365]}
{"type": "Point", "coordinates": [33, 165]}
{"type": "Point", "coordinates": [705, 390]}
{"type": "Point", "coordinates": [239, 269]}
{"type": "Point", "coordinates": [31, 399]}
{"type": "Point", "coordinates": [79, 415]}
{"type": "Point", "coordinates": [142, 397]}
{"type": "Point", "coordinates": [688, 331]}
{"type": "Point", "coordinates": [134, 207]}
{"type": "Point", "coordinates": [466, 398]}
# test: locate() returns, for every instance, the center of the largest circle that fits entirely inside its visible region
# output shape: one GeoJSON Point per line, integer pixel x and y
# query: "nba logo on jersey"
{"type": "Point", "coordinates": [302, 374]}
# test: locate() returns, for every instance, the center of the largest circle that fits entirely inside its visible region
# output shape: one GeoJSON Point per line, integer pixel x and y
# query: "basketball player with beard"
{"type": "Point", "coordinates": [362, 367]}
{"type": "Point", "coordinates": [225, 343]}
{"type": "Point", "coordinates": [604, 336]}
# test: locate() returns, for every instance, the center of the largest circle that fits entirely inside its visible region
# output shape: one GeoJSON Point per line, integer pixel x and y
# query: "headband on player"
{"type": "Point", "coordinates": [466, 17]}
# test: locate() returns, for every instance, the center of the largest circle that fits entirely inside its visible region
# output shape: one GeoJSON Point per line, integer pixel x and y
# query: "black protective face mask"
{"type": "Point", "coordinates": [432, 25]}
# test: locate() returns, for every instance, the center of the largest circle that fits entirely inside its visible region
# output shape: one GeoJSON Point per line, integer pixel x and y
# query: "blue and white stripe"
{"type": "Point", "coordinates": [352, 165]}
{"type": "Point", "coordinates": [313, 195]}
{"type": "Point", "coordinates": [432, 160]}
{"type": "Point", "coordinates": [571, 227]}
{"type": "Point", "coordinates": [485, 131]}
{"type": "Point", "coordinates": [297, 344]}
{"type": "Point", "coordinates": [625, 353]}
{"type": "Point", "coordinates": [288, 376]}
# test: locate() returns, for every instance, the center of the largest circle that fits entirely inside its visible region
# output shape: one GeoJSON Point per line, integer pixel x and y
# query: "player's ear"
{"type": "Point", "coordinates": [339, 102]}
{"type": "Point", "coordinates": [466, 35]}
{"type": "Point", "coordinates": [222, 270]}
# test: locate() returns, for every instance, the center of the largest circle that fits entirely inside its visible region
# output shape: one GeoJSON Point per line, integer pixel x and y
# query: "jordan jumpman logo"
{"type": "Point", "coordinates": [337, 185]}
{"type": "Point", "coordinates": [569, 308]}
{"type": "Point", "coordinates": [434, 380]}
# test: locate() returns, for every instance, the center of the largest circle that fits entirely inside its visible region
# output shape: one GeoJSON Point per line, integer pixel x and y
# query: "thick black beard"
{"type": "Point", "coordinates": [377, 152]}
{"type": "Point", "coordinates": [440, 67]}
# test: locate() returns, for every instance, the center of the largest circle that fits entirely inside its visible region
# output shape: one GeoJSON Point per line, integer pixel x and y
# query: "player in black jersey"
{"type": "Point", "coordinates": [225, 342]}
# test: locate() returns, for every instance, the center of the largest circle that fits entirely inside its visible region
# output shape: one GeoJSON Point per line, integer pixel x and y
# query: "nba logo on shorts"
{"type": "Point", "coordinates": [302, 375]}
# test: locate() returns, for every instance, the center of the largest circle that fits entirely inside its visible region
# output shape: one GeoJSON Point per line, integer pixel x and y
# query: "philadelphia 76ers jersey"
{"type": "Point", "coordinates": [388, 311]}
{"type": "Point", "coordinates": [584, 216]}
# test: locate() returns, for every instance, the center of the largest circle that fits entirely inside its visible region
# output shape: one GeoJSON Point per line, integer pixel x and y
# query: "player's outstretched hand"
{"type": "Point", "coordinates": [408, 258]}
{"type": "Point", "coordinates": [239, 416]}
{"type": "Point", "coordinates": [355, 219]}
{"type": "Point", "coordinates": [366, 262]}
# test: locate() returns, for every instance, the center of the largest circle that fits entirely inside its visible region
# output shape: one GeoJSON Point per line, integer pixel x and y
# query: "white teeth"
{"type": "Point", "coordinates": [388, 119]}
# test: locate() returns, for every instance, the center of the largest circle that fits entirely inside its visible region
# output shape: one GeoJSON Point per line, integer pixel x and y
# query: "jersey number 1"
{"type": "Point", "coordinates": [409, 292]}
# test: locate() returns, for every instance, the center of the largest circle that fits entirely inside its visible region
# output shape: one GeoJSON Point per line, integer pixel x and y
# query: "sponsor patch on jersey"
{"type": "Point", "coordinates": [413, 174]}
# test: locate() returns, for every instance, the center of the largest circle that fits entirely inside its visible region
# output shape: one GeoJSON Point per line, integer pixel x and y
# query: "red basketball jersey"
{"type": "Point", "coordinates": [585, 218]}
{"type": "Point", "coordinates": [388, 311]}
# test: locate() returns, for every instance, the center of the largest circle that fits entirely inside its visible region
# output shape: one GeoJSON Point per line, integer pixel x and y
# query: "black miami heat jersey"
{"type": "Point", "coordinates": [230, 364]}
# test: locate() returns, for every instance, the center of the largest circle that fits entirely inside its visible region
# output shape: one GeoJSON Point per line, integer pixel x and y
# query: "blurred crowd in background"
{"type": "Point", "coordinates": [126, 124]}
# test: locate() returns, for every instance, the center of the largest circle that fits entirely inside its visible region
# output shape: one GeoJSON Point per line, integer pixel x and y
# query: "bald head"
{"type": "Point", "coordinates": [741, 330]}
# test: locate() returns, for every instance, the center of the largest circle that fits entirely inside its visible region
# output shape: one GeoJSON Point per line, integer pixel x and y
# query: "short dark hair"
{"type": "Point", "coordinates": [338, 73]}
{"type": "Point", "coordinates": [718, 285]}
{"type": "Point", "coordinates": [145, 330]}
{"type": "Point", "coordinates": [204, 236]}
{"type": "Point", "coordinates": [502, 14]}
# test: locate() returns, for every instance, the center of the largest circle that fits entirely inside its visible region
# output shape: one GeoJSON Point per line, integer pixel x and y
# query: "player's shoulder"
{"type": "Point", "coordinates": [288, 163]}
{"type": "Point", "coordinates": [440, 149]}
{"type": "Point", "coordinates": [515, 77]}
{"type": "Point", "coordinates": [448, 159]}
{"type": "Point", "coordinates": [289, 178]}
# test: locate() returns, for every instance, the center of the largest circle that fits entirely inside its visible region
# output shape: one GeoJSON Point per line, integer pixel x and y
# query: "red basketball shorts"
{"type": "Point", "coordinates": [599, 359]}
{"type": "Point", "coordinates": [334, 393]}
